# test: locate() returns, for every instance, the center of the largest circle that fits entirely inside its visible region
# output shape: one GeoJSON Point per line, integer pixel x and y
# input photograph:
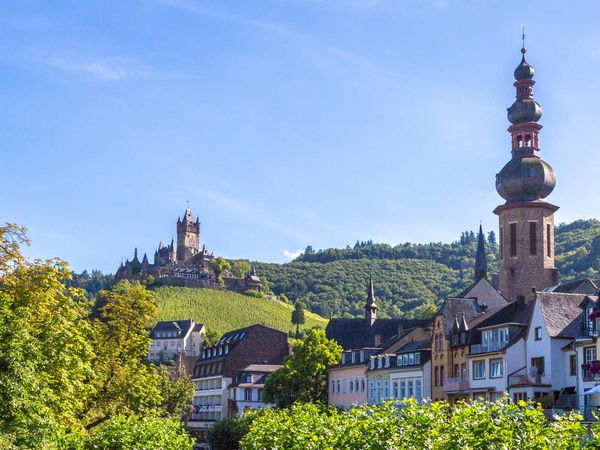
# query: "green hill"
{"type": "Point", "coordinates": [411, 278]}
{"type": "Point", "coordinates": [223, 311]}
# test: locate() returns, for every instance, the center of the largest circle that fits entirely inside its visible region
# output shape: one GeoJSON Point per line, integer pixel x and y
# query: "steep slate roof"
{"type": "Point", "coordinates": [424, 344]}
{"type": "Point", "coordinates": [359, 333]}
{"type": "Point", "coordinates": [562, 312]}
{"type": "Point", "coordinates": [581, 286]}
{"type": "Point", "coordinates": [181, 327]}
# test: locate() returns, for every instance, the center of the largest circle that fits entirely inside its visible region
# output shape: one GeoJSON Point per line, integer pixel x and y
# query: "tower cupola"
{"type": "Point", "coordinates": [526, 177]}
{"type": "Point", "coordinates": [526, 219]}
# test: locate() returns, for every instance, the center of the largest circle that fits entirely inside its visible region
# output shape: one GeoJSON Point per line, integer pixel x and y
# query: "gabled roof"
{"type": "Point", "coordinates": [562, 312]}
{"type": "Point", "coordinates": [581, 286]}
{"type": "Point", "coordinates": [181, 327]}
{"type": "Point", "coordinates": [424, 344]}
{"type": "Point", "coordinates": [359, 333]}
{"type": "Point", "coordinates": [485, 294]}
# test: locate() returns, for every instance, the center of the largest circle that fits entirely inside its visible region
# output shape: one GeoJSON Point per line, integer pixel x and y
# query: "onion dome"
{"type": "Point", "coordinates": [525, 179]}
{"type": "Point", "coordinates": [524, 71]}
{"type": "Point", "coordinates": [524, 110]}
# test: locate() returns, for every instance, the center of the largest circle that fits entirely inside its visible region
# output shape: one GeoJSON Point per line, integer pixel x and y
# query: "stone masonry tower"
{"type": "Point", "coordinates": [526, 220]}
{"type": "Point", "coordinates": [188, 236]}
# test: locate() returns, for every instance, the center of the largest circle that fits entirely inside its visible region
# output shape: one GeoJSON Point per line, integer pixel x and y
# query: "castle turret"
{"type": "Point", "coordinates": [370, 306]}
{"type": "Point", "coordinates": [188, 236]}
{"type": "Point", "coordinates": [526, 220]}
{"type": "Point", "coordinates": [480, 257]}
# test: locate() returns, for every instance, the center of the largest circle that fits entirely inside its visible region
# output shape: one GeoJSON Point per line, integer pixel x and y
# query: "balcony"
{"type": "Point", "coordinates": [455, 385]}
{"type": "Point", "coordinates": [590, 371]}
{"type": "Point", "coordinates": [488, 347]}
{"type": "Point", "coordinates": [524, 378]}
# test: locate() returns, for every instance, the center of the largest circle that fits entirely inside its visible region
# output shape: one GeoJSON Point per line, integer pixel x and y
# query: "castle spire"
{"type": "Point", "coordinates": [370, 306]}
{"type": "Point", "coordinates": [480, 257]}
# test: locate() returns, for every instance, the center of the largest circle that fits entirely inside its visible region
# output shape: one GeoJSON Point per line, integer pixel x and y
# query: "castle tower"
{"type": "Point", "coordinates": [526, 220]}
{"type": "Point", "coordinates": [370, 306]}
{"type": "Point", "coordinates": [480, 257]}
{"type": "Point", "coordinates": [188, 236]}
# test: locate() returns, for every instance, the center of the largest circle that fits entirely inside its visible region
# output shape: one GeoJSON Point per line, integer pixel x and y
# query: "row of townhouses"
{"type": "Point", "coordinates": [229, 376]}
{"type": "Point", "coordinates": [525, 336]}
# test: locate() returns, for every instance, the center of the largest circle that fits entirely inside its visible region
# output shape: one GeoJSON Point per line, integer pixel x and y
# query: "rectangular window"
{"type": "Point", "coordinates": [572, 365]}
{"type": "Point", "coordinates": [478, 370]}
{"type": "Point", "coordinates": [548, 241]}
{"type": "Point", "coordinates": [418, 390]}
{"type": "Point", "coordinates": [533, 238]}
{"type": "Point", "coordinates": [417, 358]}
{"type": "Point", "coordinates": [538, 363]}
{"type": "Point", "coordinates": [332, 387]}
{"type": "Point", "coordinates": [344, 386]}
{"type": "Point", "coordinates": [403, 389]}
{"type": "Point", "coordinates": [362, 385]}
{"type": "Point", "coordinates": [589, 354]}
{"type": "Point", "coordinates": [409, 388]}
{"type": "Point", "coordinates": [456, 371]}
{"type": "Point", "coordinates": [538, 333]}
{"type": "Point", "coordinates": [437, 376]}
{"type": "Point", "coordinates": [501, 243]}
{"type": "Point", "coordinates": [441, 375]}
{"type": "Point", "coordinates": [496, 368]}
{"type": "Point", "coordinates": [351, 385]}
{"type": "Point", "coordinates": [513, 240]}
{"type": "Point", "coordinates": [395, 389]}
{"type": "Point", "coordinates": [463, 371]}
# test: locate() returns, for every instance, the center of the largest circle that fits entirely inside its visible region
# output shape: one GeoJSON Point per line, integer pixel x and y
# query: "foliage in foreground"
{"type": "Point", "coordinates": [437, 426]}
{"type": "Point", "coordinates": [227, 434]}
{"type": "Point", "coordinates": [304, 375]}
{"type": "Point", "coordinates": [68, 368]}
{"type": "Point", "coordinates": [131, 433]}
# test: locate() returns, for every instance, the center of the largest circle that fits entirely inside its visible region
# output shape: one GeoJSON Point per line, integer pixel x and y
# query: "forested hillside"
{"type": "Point", "coordinates": [411, 277]}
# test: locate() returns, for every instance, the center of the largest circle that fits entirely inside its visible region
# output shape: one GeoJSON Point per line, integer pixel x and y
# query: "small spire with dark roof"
{"type": "Point", "coordinates": [480, 257]}
{"type": "Point", "coordinates": [371, 307]}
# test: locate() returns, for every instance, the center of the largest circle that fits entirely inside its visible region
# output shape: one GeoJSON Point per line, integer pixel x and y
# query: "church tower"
{"type": "Point", "coordinates": [526, 220]}
{"type": "Point", "coordinates": [188, 236]}
{"type": "Point", "coordinates": [370, 306]}
{"type": "Point", "coordinates": [480, 257]}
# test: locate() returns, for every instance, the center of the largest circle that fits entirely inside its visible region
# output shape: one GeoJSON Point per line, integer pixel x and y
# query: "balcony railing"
{"type": "Point", "coordinates": [524, 378]}
{"type": "Point", "coordinates": [488, 347]}
{"type": "Point", "coordinates": [455, 384]}
{"type": "Point", "coordinates": [590, 371]}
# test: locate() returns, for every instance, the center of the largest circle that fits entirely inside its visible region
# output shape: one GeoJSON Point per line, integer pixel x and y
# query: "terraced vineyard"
{"type": "Point", "coordinates": [225, 310]}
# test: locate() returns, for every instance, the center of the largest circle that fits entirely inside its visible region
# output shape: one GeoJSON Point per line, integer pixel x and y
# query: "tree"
{"type": "Point", "coordinates": [304, 375]}
{"type": "Point", "coordinates": [227, 434]}
{"type": "Point", "coordinates": [298, 317]}
{"type": "Point", "coordinates": [45, 357]}
{"type": "Point", "coordinates": [218, 266]}
{"type": "Point", "coordinates": [241, 268]}
{"type": "Point", "coordinates": [491, 238]}
{"type": "Point", "coordinates": [140, 433]}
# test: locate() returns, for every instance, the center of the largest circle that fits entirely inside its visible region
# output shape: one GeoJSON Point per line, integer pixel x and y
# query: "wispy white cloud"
{"type": "Point", "coordinates": [292, 254]}
{"type": "Point", "coordinates": [306, 42]}
{"type": "Point", "coordinates": [106, 69]}
{"type": "Point", "coordinates": [250, 212]}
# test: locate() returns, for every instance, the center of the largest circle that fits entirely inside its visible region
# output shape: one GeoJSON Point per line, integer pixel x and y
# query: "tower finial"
{"type": "Point", "coordinates": [523, 38]}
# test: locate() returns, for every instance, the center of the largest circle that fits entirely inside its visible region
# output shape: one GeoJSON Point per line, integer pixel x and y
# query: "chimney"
{"type": "Point", "coordinates": [520, 301]}
{"type": "Point", "coordinates": [400, 329]}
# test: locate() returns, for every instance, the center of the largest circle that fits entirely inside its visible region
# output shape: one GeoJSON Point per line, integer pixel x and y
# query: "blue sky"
{"type": "Point", "coordinates": [283, 122]}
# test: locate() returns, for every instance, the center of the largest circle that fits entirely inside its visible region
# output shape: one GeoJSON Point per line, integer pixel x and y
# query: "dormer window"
{"type": "Point", "coordinates": [226, 350]}
{"type": "Point", "coordinates": [372, 364]}
{"type": "Point", "coordinates": [455, 339]}
{"type": "Point", "coordinates": [379, 362]}
{"type": "Point", "coordinates": [353, 357]}
{"type": "Point", "coordinates": [387, 361]}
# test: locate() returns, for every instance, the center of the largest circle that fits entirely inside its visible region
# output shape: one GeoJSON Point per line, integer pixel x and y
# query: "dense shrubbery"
{"type": "Point", "coordinates": [437, 426]}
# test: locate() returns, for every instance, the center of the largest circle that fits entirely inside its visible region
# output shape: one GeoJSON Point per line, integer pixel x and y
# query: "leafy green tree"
{"type": "Point", "coordinates": [122, 383]}
{"type": "Point", "coordinates": [177, 391]}
{"type": "Point", "coordinates": [218, 266]}
{"type": "Point", "coordinates": [298, 317]}
{"type": "Point", "coordinates": [304, 376]}
{"type": "Point", "coordinates": [227, 434]}
{"type": "Point", "coordinates": [140, 433]}
{"type": "Point", "coordinates": [45, 356]}
{"type": "Point", "coordinates": [241, 268]}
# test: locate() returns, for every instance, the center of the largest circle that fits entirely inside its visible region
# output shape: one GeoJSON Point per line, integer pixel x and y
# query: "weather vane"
{"type": "Point", "coordinates": [523, 34]}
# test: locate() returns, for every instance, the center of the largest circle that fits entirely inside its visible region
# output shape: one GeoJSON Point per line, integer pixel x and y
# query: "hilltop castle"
{"type": "Point", "coordinates": [185, 264]}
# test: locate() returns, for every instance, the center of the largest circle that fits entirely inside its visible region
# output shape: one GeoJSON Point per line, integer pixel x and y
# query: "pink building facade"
{"type": "Point", "coordinates": [348, 380]}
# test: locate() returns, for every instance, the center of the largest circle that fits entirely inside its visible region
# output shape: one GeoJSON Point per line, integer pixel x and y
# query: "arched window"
{"type": "Point", "coordinates": [519, 141]}
{"type": "Point", "coordinates": [528, 140]}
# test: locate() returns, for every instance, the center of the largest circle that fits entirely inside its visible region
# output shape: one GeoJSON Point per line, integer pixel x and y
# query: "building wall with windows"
{"type": "Point", "coordinates": [348, 386]}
